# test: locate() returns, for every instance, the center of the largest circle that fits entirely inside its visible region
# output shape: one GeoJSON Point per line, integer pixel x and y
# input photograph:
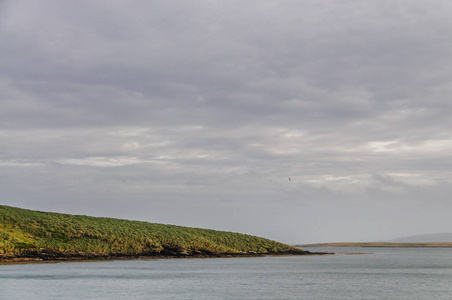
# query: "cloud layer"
{"type": "Point", "coordinates": [197, 113]}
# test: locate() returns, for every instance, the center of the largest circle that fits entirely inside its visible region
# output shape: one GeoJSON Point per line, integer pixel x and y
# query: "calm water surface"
{"type": "Point", "coordinates": [386, 274]}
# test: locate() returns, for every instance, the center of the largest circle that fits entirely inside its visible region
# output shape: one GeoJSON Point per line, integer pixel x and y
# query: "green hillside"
{"type": "Point", "coordinates": [26, 233]}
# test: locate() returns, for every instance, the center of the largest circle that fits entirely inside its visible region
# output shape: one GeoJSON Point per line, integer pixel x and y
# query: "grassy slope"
{"type": "Point", "coordinates": [25, 231]}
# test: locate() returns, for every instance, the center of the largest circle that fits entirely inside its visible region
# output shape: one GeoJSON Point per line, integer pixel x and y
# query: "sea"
{"type": "Point", "coordinates": [352, 273]}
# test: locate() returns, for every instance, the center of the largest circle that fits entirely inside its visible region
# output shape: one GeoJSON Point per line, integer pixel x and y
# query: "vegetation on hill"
{"type": "Point", "coordinates": [26, 232]}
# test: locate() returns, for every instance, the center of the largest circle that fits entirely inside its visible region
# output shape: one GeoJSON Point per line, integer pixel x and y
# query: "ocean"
{"type": "Point", "coordinates": [382, 273]}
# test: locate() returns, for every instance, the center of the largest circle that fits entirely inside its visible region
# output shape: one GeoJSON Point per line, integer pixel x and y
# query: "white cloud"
{"type": "Point", "coordinates": [131, 146]}
{"type": "Point", "coordinates": [20, 163]}
{"type": "Point", "coordinates": [383, 146]}
{"type": "Point", "coordinates": [102, 161]}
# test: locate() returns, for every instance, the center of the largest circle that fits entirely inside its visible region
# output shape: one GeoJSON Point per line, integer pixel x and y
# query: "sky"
{"type": "Point", "coordinates": [197, 113]}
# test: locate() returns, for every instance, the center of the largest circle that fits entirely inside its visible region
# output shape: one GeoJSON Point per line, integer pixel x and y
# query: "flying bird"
{"type": "Point", "coordinates": [290, 179]}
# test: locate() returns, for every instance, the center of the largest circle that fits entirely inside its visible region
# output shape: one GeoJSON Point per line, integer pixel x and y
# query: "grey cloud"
{"type": "Point", "coordinates": [207, 107]}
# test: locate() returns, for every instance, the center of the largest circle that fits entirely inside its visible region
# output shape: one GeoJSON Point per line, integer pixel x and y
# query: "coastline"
{"type": "Point", "coordinates": [56, 256]}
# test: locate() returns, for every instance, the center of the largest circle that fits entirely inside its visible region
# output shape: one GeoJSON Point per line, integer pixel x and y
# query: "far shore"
{"type": "Point", "coordinates": [381, 244]}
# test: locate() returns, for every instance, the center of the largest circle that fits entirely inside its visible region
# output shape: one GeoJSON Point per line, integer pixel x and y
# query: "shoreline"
{"type": "Point", "coordinates": [91, 257]}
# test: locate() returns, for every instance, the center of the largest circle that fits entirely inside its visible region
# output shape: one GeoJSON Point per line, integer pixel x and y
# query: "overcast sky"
{"type": "Point", "coordinates": [196, 113]}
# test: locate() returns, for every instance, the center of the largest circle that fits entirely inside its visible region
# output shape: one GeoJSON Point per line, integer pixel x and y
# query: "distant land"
{"type": "Point", "coordinates": [27, 235]}
{"type": "Point", "coordinates": [437, 240]}
{"type": "Point", "coordinates": [425, 238]}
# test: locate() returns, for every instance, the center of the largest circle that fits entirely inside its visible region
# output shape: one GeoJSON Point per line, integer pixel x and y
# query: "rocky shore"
{"type": "Point", "coordinates": [48, 255]}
